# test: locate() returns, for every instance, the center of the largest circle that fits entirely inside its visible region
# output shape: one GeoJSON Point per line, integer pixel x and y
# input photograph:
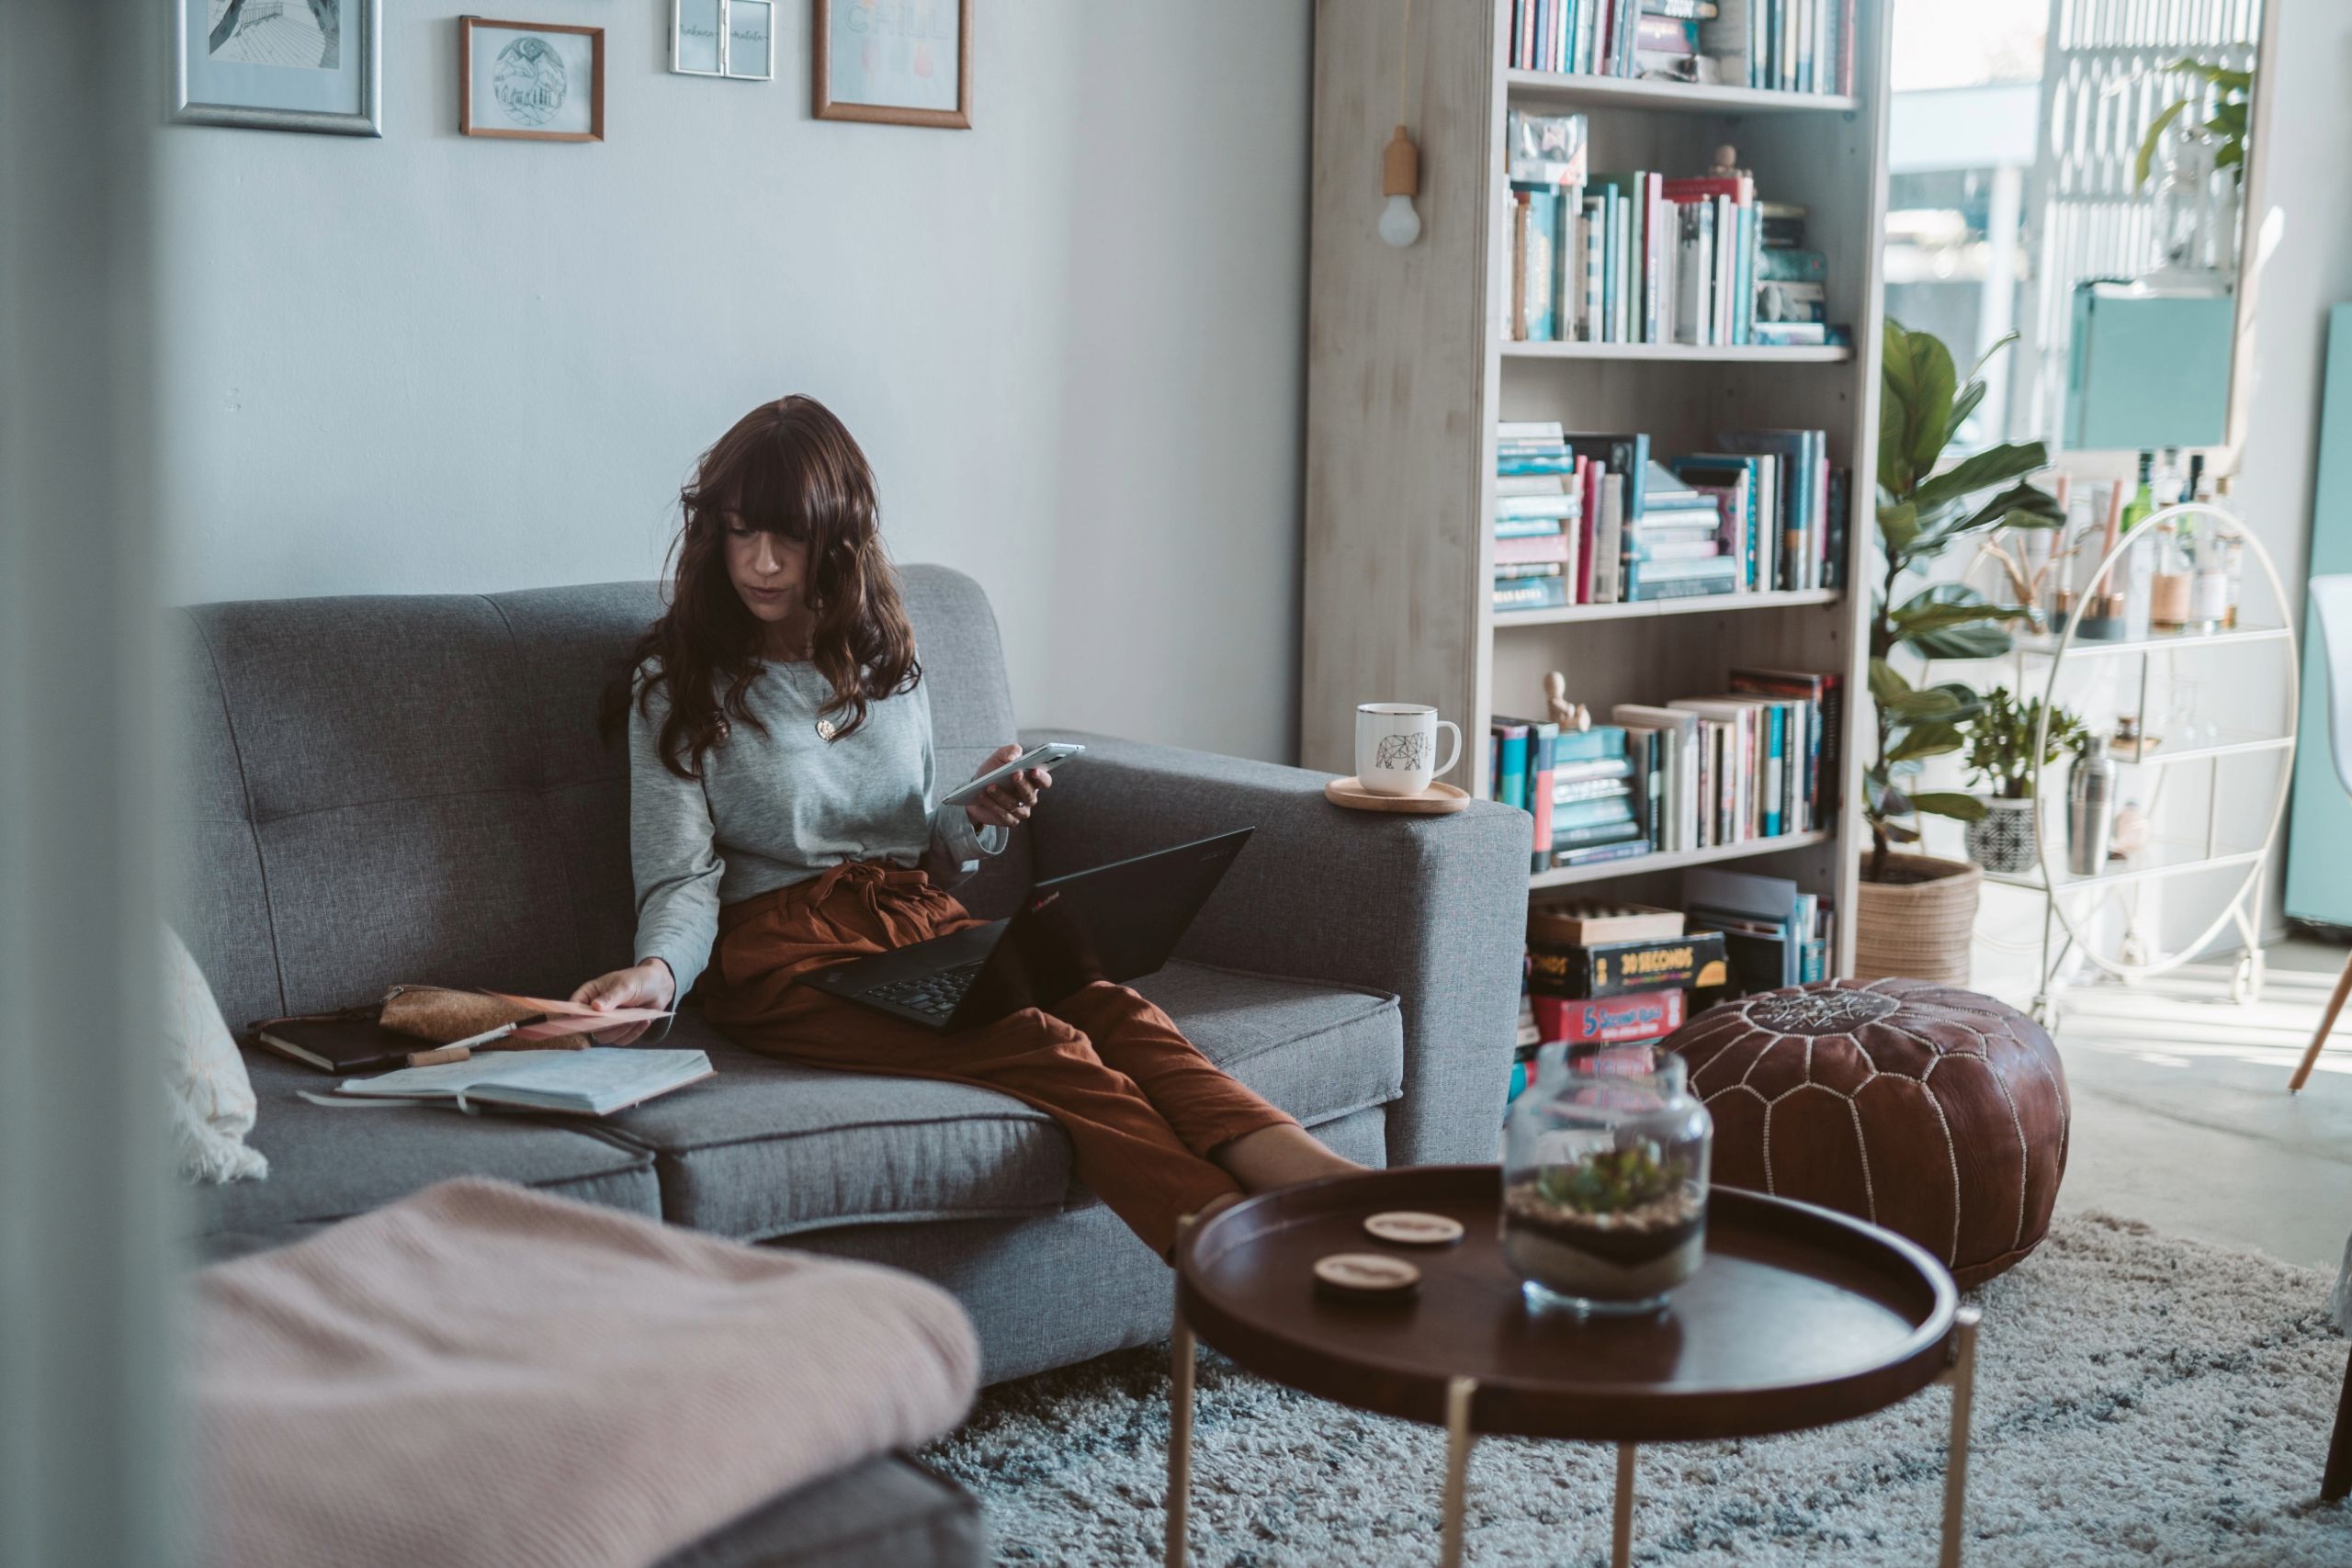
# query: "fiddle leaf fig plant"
{"type": "Point", "coordinates": [1921, 510]}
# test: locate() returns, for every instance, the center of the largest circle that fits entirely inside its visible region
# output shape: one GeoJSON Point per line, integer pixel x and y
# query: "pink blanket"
{"type": "Point", "coordinates": [479, 1374]}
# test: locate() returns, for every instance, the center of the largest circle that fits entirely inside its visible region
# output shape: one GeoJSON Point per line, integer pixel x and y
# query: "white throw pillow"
{"type": "Point", "coordinates": [211, 1099]}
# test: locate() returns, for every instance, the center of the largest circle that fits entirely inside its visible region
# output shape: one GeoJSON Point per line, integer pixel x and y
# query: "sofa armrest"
{"type": "Point", "coordinates": [1432, 908]}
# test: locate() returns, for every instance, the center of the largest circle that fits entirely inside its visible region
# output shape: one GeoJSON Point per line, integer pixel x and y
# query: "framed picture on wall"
{"type": "Point", "coordinates": [530, 80]}
{"type": "Point", "coordinates": [698, 35]}
{"type": "Point", "coordinates": [723, 37]}
{"type": "Point", "coordinates": [895, 61]}
{"type": "Point", "coordinates": [751, 39]}
{"type": "Point", "coordinates": [279, 64]}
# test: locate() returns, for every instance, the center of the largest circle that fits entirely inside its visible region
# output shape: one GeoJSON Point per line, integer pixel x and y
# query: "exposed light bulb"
{"type": "Point", "coordinates": [1399, 224]}
{"type": "Point", "coordinates": [1400, 182]}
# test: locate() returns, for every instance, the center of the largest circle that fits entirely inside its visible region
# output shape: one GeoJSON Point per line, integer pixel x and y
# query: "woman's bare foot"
{"type": "Point", "coordinates": [1280, 1155]}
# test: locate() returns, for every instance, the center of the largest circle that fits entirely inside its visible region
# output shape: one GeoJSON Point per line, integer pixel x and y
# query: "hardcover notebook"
{"type": "Point", "coordinates": [338, 1045]}
{"type": "Point", "coordinates": [594, 1082]}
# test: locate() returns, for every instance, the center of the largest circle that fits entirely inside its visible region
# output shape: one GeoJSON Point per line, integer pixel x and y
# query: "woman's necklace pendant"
{"type": "Point", "coordinates": [824, 730]}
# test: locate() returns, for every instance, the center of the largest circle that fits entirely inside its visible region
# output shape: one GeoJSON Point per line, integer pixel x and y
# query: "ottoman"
{"type": "Point", "coordinates": [1934, 1111]}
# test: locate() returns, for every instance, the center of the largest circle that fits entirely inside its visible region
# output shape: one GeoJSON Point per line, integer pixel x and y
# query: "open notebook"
{"type": "Point", "coordinates": [594, 1082]}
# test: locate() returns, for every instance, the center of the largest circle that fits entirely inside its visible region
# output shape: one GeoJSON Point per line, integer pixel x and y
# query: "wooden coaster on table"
{"type": "Point", "coordinates": [1367, 1276]}
{"type": "Point", "coordinates": [1411, 1227]}
{"type": "Point", "coordinates": [1435, 801]}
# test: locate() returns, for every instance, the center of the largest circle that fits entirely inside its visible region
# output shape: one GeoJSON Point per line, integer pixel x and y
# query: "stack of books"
{"type": "Point", "coordinates": [1593, 519]}
{"type": "Point", "coordinates": [1579, 787]}
{"type": "Point", "coordinates": [1539, 516]}
{"type": "Point", "coordinates": [1790, 46]}
{"type": "Point", "coordinates": [1609, 975]}
{"type": "Point", "coordinates": [1643, 257]}
{"type": "Point", "coordinates": [1792, 282]}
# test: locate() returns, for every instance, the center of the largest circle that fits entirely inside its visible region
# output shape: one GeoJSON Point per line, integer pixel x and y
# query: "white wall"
{"type": "Point", "coordinates": [2303, 236]}
{"type": "Point", "coordinates": [1070, 339]}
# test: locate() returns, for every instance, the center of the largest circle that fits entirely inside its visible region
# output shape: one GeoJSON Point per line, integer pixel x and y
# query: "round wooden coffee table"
{"type": "Point", "coordinates": [1799, 1317]}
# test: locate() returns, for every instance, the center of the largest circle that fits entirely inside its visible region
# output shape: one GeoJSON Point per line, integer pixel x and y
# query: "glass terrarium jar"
{"type": "Point", "coordinates": [1605, 1179]}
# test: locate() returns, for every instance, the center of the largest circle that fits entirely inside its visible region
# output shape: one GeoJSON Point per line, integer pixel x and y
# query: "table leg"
{"type": "Point", "coordinates": [1621, 1537]}
{"type": "Point", "coordinates": [2335, 1481]}
{"type": "Point", "coordinates": [1962, 1377]}
{"type": "Point", "coordinates": [1458, 1439]}
{"type": "Point", "coordinates": [1180, 1361]}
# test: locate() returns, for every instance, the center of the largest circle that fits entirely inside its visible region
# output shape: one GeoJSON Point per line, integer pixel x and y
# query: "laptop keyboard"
{"type": "Point", "coordinates": [934, 995]}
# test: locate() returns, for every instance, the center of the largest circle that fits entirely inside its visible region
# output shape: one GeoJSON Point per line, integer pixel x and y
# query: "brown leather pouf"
{"type": "Point", "coordinates": [1934, 1111]}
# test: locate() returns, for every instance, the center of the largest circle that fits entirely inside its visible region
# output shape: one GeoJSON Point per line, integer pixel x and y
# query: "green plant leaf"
{"type": "Point", "coordinates": [1950, 803]}
{"type": "Point", "coordinates": [1899, 833]}
{"type": "Point", "coordinates": [1967, 704]}
{"type": "Point", "coordinates": [1991, 349]}
{"type": "Point", "coordinates": [1887, 683]}
{"type": "Point", "coordinates": [1917, 382]}
{"type": "Point", "coordinates": [1924, 740]}
{"type": "Point", "coordinates": [2147, 158]}
{"type": "Point", "coordinates": [1975, 642]}
{"type": "Point", "coordinates": [1933, 703]}
{"type": "Point", "coordinates": [1965, 404]}
{"type": "Point", "coordinates": [1980, 470]}
{"type": "Point", "coordinates": [1897, 528]}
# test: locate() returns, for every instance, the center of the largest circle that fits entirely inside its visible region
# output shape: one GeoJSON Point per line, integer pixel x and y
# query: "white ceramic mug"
{"type": "Point", "coordinates": [1396, 743]}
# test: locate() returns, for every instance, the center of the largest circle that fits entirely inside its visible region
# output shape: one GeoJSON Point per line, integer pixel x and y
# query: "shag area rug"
{"type": "Point", "coordinates": [2140, 1399]}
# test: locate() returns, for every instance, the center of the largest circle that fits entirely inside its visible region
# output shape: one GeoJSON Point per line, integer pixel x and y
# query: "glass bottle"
{"type": "Point", "coordinates": [2169, 592]}
{"type": "Point", "coordinates": [1605, 1179]}
{"type": "Point", "coordinates": [2168, 484]}
{"type": "Point", "coordinates": [2143, 498]}
{"type": "Point", "coordinates": [2209, 590]}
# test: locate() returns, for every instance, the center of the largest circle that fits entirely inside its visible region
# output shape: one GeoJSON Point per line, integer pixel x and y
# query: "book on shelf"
{"type": "Point", "coordinates": [1639, 256]}
{"type": "Point", "coordinates": [1775, 934]}
{"type": "Point", "coordinates": [1577, 970]}
{"type": "Point", "coordinates": [1765, 513]}
{"type": "Point", "coordinates": [1609, 1020]}
{"type": "Point", "coordinates": [1584, 921]}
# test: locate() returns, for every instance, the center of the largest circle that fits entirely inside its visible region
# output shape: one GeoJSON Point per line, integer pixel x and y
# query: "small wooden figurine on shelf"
{"type": "Point", "coordinates": [1574, 718]}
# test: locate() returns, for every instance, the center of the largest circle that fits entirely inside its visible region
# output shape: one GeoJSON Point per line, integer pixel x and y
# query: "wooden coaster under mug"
{"type": "Point", "coordinates": [1409, 1228]}
{"type": "Point", "coordinates": [1367, 1276]}
{"type": "Point", "coordinates": [1435, 801]}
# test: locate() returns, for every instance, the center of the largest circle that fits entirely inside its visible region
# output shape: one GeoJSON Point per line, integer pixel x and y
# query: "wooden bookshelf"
{"type": "Point", "coordinates": [1408, 375]}
{"type": "Point", "coordinates": [1580, 92]}
{"type": "Point", "coordinates": [1684, 353]}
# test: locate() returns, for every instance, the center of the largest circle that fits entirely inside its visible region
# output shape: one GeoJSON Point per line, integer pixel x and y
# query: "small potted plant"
{"type": "Point", "coordinates": [2000, 757]}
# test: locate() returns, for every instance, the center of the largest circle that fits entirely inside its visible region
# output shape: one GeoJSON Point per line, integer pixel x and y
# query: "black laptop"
{"type": "Point", "coordinates": [1116, 922]}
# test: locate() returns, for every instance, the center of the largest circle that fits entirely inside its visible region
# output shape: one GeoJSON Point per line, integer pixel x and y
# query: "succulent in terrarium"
{"type": "Point", "coordinates": [1612, 1180]}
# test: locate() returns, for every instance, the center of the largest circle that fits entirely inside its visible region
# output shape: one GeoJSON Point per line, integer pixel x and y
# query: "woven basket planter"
{"type": "Point", "coordinates": [1919, 930]}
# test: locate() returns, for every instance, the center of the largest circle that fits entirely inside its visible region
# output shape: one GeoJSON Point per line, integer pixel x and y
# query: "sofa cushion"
{"type": "Point", "coordinates": [886, 1510]}
{"type": "Point", "coordinates": [328, 1164]}
{"type": "Point", "coordinates": [768, 1148]}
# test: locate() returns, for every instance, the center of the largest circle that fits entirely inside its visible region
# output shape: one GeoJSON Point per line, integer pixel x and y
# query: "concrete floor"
{"type": "Point", "coordinates": [2182, 1117]}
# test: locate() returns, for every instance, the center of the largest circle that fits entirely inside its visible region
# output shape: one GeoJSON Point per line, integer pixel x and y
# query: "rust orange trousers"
{"type": "Point", "coordinates": [1142, 1106]}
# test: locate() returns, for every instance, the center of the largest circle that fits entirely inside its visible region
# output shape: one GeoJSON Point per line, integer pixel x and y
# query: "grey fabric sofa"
{"type": "Point", "coordinates": [413, 789]}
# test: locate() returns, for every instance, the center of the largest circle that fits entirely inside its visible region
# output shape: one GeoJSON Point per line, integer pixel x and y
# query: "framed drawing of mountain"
{"type": "Point", "coordinates": [895, 61]}
{"type": "Point", "coordinates": [530, 80]}
{"type": "Point", "coordinates": [279, 64]}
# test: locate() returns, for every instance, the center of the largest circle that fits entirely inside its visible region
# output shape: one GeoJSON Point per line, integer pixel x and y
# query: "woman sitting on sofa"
{"type": "Point", "coordinates": [782, 819]}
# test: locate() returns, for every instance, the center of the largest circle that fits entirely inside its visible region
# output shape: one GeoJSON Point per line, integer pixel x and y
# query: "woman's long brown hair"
{"type": "Point", "coordinates": [793, 469]}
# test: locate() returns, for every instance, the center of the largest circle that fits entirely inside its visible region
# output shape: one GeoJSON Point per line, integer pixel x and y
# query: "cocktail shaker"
{"type": "Point", "coordinates": [2090, 809]}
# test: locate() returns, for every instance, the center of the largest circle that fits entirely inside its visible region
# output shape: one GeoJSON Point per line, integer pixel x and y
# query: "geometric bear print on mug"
{"type": "Point", "coordinates": [1404, 751]}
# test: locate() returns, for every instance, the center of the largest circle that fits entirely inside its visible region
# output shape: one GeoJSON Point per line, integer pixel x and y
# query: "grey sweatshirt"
{"type": "Point", "coordinates": [776, 808]}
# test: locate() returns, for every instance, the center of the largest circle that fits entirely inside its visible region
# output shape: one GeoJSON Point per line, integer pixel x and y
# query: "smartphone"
{"type": "Point", "coordinates": [1048, 757]}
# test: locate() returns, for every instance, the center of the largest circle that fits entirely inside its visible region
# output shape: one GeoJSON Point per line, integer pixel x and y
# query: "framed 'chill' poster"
{"type": "Point", "coordinates": [896, 61]}
{"type": "Point", "coordinates": [279, 64]}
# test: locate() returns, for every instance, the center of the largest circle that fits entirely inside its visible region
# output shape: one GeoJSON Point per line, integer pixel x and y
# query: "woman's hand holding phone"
{"type": "Point", "coordinates": [1009, 803]}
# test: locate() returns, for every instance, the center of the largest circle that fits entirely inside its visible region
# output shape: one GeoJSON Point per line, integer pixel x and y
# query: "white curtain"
{"type": "Point", "coordinates": [85, 1204]}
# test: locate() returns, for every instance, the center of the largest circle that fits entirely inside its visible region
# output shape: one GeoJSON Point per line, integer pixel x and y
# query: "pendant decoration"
{"type": "Point", "coordinates": [824, 730]}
